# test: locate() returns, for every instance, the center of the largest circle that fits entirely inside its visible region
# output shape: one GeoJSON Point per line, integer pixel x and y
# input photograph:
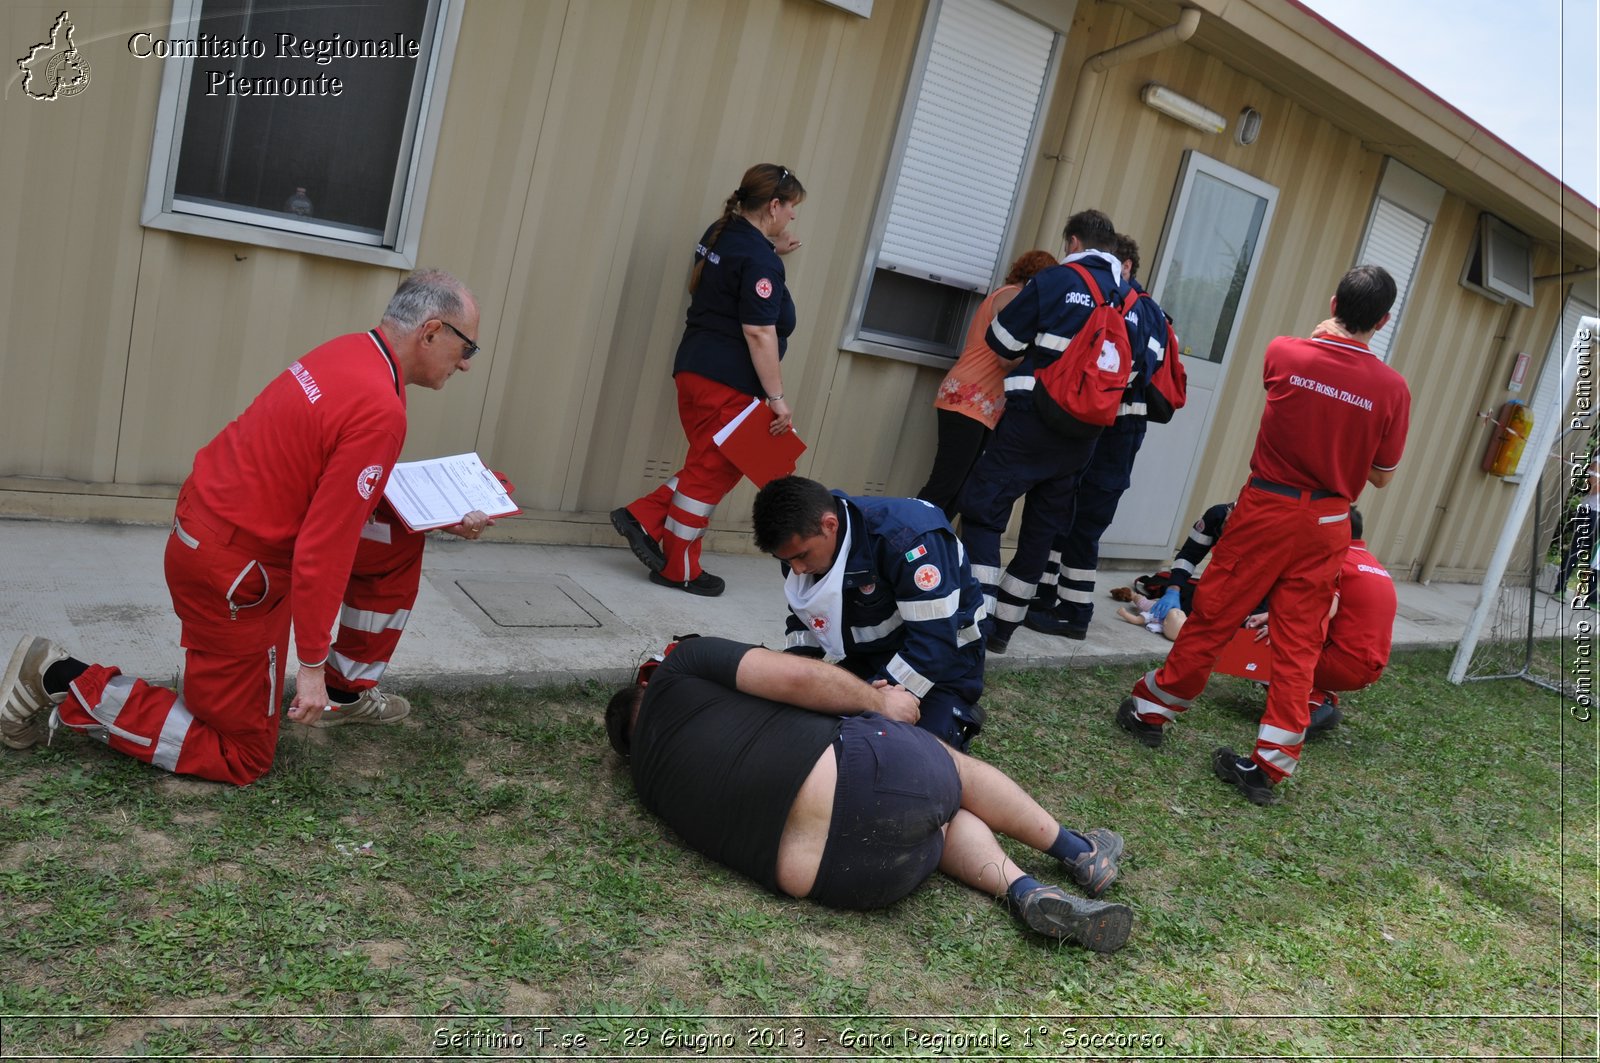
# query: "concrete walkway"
{"type": "Point", "coordinates": [527, 614]}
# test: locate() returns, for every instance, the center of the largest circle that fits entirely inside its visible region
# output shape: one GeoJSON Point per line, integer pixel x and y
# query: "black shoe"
{"type": "Point", "coordinates": [1046, 622]}
{"type": "Point", "coordinates": [1324, 717]}
{"type": "Point", "coordinates": [706, 585]}
{"type": "Point", "coordinates": [1252, 783]}
{"type": "Point", "coordinates": [997, 643]}
{"type": "Point", "coordinates": [1149, 734]}
{"type": "Point", "coordinates": [646, 549]}
{"type": "Point", "coordinates": [1097, 925]}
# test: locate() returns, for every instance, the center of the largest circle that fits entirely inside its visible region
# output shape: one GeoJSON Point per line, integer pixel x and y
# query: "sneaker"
{"type": "Point", "coordinates": [1047, 622]}
{"type": "Point", "coordinates": [706, 585]}
{"type": "Point", "coordinates": [646, 549]}
{"type": "Point", "coordinates": [372, 706]}
{"type": "Point", "coordinates": [1325, 717]}
{"type": "Point", "coordinates": [1095, 870]}
{"type": "Point", "coordinates": [1100, 926]}
{"type": "Point", "coordinates": [1149, 734]}
{"type": "Point", "coordinates": [1253, 784]}
{"type": "Point", "coordinates": [23, 693]}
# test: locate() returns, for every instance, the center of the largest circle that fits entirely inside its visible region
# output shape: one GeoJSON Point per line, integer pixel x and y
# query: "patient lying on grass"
{"type": "Point", "coordinates": [815, 784]}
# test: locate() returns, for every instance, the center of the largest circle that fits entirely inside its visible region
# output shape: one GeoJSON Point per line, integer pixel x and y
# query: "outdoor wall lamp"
{"type": "Point", "coordinates": [1185, 110]}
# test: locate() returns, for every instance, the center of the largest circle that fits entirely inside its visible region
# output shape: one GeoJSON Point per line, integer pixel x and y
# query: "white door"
{"type": "Point", "coordinates": [1208, 259]}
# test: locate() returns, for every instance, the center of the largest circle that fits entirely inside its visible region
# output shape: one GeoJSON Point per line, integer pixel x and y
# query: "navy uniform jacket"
{"type": "Point", "coordinates": [915, 632]}
{"type": "Point", "coordinates": [742, 283]}
{"type": "Point", "coordinates": [1147, 339]}
{"type": "Point", "coordinates": [1050, 309]}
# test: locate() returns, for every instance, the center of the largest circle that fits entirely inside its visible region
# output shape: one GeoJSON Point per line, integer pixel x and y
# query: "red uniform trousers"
{"type": "Point", "coordinates": [377, 602]}
{"type": "Point", "coordinates": [1292, 548]}
{"type": "Point", "coordinates": [1340, 670]}
{"type": "Point", "coordinates": [677, 513]}
{"type": "Point", "coordinates": [232, 596]}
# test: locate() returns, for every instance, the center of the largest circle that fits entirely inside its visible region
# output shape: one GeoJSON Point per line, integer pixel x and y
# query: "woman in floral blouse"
{"type": "Point", "coordinates": [972, 395]}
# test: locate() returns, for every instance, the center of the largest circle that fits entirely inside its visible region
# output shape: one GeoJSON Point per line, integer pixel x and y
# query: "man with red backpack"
{"type": "Point", "coordinates": [1065, 603]}
{"type": "Point", "coordinates": [1036, 450]}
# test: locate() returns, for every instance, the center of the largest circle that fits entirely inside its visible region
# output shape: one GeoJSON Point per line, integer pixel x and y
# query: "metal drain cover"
{"type": "Point", "coordinates": [547, 602]}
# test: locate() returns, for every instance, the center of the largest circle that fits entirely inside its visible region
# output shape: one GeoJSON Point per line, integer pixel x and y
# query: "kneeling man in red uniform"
{"type": "Point", "coordinates": [1335, 420]}
{"type": "Point", "coordinates": [282, 519]}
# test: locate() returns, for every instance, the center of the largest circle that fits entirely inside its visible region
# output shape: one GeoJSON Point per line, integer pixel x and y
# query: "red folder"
{"type": "Point", "coordinates": [1247, 658]}
{"type": "Point", "coordinates": [748, 442]}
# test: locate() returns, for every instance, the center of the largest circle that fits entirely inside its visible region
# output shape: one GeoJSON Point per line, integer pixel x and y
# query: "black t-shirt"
{"type": "Point", "coordinates": [720, 767]}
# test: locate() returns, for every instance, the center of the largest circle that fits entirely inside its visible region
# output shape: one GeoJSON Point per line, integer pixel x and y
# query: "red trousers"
{"type": "Point", "coordinates": [232, 596]}
{"type": "Point", "coordinates": [1292, 548]}
{"type": "Point", "coordinates": [1340, 670]}
{"type": "Point", "coordinates": [677, 513]}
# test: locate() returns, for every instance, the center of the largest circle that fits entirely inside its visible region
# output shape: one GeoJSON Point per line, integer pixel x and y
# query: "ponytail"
{"type": "Point", "coordinates": [762, 183]}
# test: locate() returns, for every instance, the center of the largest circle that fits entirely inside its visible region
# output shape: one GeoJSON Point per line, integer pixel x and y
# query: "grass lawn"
{"type": "Point", "coordinates": [480, 882]}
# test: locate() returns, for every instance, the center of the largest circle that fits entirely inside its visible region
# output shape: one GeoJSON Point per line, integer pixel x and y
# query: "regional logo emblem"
{"type": "Point", "coordinates": [55, 69]}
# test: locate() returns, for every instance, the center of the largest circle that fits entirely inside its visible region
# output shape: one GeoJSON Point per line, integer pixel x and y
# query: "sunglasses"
{"type": "Point", "coordinates": [472, 348]}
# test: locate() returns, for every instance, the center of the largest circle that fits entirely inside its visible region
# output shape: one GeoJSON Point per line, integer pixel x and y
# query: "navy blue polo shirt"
{"type": "Point", "coordinates": [741, 284]}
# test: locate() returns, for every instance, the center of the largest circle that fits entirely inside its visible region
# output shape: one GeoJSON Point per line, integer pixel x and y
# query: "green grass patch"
{"type": "Point", "coordinates": [480, 882]}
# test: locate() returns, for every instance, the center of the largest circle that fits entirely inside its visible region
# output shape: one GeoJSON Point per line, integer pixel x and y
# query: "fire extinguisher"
{"type": "Point", "coordinates": [1512, 427]}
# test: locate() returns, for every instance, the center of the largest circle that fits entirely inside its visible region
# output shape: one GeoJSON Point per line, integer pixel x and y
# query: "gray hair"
{"type": "Point", "coordinates": [427, 293]}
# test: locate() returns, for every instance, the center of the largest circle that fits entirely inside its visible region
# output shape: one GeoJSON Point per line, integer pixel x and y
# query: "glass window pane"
{"type": "Point", "coordinates": [1212, 252]}
{"type": "Point", "coordinates": [300, 150]}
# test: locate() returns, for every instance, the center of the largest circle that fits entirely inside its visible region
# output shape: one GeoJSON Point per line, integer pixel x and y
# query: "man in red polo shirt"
{"type": "Point", "coordinates": [1335, 420]}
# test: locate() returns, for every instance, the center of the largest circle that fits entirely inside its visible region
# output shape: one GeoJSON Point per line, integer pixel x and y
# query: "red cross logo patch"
{"type": "Point", "coordinates": [927, 577]}
{"type": "Point", "coordinates": [764, 288]}
{"type": "Point", "coordinates": [820, 623]}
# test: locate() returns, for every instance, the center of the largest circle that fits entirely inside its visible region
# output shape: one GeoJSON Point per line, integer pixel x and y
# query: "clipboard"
{"type": "Point", "coordinates": [1245, 657]}
{"type": "Point", "coordinates": [438, 492]}
{"type": "Point", "coordinates": [748, 442]}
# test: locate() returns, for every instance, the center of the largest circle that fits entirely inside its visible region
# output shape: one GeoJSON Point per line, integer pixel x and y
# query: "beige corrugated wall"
{"type": "Point", "coordinates": [584, 147]}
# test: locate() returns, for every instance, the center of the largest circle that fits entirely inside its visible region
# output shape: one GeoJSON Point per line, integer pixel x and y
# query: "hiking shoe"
{"type": "Point", "coordinates": [646, 549]}
{"type": "Point", "coordinates": [1253, 784]}
{"type": "Point", "coordinates": [1325, 717]}
{"type": "Point", "coordinates": [706, 585]}
{"type": "Point", "coordinates": [1149, 734]}
{"type": "Point", "coordinates": [373, 706]}
{"type": "Point", "coordinates": [1046, 622]}
{"type": "Point", "coordinates": [1100, 926]}
{"type": "Point", "coordinates": [1095, 870]}
{"type": "Point", "coordinates": [22, 693]}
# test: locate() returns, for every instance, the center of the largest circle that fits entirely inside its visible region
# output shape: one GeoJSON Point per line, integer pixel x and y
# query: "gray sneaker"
{"type": "Point", "coordinates": [1095, 870]}
{"type": "Point", "coordinates": [373, 706]}
{"type": "Point", "coordinates": [22, 693]}
{"type": "Point", "coordinates": [1100, 926]}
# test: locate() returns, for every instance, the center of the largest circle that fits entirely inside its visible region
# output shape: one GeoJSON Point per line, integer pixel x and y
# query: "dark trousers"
{"type": "Point", "coordinates": [1069, 574]}
{"type": "Point", "coordinates": [961, 440]}
{"type": "Point", "coordinates": [1023, 458]}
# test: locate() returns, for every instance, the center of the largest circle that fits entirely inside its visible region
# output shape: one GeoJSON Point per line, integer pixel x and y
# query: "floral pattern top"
{"type": "Point", "coordinates": [975, 385]}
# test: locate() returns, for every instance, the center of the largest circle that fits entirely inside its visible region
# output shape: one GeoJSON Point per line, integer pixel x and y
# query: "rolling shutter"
{"type": "Point", "coordinates": [964, 154]}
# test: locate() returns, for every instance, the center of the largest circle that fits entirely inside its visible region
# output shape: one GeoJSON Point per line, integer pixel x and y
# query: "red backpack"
{"type": "Point", "coordinates": [1167, 390]}
{"type": "Point", "coordinates": [1078, 393]}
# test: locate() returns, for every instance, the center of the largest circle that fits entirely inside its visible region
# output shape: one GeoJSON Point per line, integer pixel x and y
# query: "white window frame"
{"type": "Point", "coordinates": [1400, 189]}
{"type": "Point", "coordinates": [855, 337]}
{"type": "Point", "coordinates": [1492, 282]}
{"type": "Point", "coordinates": [397, 247]}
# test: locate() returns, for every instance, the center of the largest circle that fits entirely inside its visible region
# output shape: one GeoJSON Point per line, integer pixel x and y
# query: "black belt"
{"type": "Point", "coordinates": [1290, 492]}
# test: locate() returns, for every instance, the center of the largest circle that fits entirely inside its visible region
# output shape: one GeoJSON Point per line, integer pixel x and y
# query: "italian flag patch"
{"type": "Point", "coordinates": [919, 551]}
